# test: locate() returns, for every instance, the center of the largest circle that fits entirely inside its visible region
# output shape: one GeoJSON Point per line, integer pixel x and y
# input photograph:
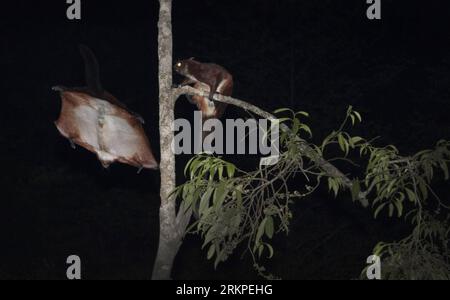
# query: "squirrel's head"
{"type": "Point", "coordinates": [182, 66]}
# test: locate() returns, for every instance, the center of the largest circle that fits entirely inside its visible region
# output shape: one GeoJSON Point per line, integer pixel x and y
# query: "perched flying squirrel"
{"type": "Point", "coordinates": [94, 119]}
{"type": "Point", "coordinates": [210, 78]}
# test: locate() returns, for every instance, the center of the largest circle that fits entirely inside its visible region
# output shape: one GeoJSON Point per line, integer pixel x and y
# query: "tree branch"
{"type": "Point", "coordinates": [304, 147]}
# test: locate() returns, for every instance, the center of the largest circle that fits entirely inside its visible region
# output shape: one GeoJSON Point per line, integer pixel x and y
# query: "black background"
{"type": "Point", "coordinates": [317, 56]}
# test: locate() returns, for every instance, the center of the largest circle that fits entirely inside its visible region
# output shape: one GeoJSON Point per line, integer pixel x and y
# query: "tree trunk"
{"type": "Point", "coordinates": [171, 230]}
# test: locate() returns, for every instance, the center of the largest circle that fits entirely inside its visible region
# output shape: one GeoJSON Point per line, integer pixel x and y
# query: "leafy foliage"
{"type": "Point", "coordinates": [395, 179]}
{"type": "Point", "coordinates": [252, 207]}
{"type": "Point", "coordinates": [402, 187]}
{"type": "Point", "coordinates": [424, 255]}
{"type": "Point", "coordinates": [237, 207]}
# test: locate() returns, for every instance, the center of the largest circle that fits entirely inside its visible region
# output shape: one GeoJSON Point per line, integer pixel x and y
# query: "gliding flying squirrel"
{"type": "Point", "coordinates": [94, 119]}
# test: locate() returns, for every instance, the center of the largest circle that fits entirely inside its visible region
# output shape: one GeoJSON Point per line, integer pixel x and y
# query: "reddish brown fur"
{"type": "Point", "coordinates": [210, 78]}
{"type": "Point", "coordinates": [70, 127]}
{"type": "Point", "coordinates": [96, 120]}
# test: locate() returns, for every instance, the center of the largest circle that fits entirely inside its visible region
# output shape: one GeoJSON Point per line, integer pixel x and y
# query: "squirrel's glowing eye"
{"type": "Point", "coordinates": [178, 65]}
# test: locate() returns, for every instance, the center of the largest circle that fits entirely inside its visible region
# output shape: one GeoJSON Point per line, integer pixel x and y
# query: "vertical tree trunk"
{"type": "Point", "coordinates": [170, 236]}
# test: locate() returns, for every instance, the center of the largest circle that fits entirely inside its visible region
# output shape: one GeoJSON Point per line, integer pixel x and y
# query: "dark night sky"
{"type": "Point", "coordinates": [317, 56]}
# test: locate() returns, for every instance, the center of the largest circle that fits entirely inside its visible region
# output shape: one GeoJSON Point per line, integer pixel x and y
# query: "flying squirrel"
{"type": "Point", "coordinates": [96, 120]}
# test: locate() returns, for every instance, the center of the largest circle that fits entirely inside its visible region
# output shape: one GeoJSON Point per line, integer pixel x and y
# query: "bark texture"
{"type": "Point", "coordinates": [172, 227]}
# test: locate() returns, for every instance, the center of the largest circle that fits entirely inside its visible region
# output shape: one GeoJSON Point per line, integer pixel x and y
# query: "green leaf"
{"type": "Point", "coordinates": [399, 205]}
{"type": "Point", "coordinates": [363, 150]}
{"type": "Point", "coordinates": [261, 230]}
{"type": "Point", "coordinates": [186, 191]}
{"type": "Point", "coordinates": [343, 144]}
{"type": "Point", "coordinates": [271, 252]}
{"type": "Point", "coordinates": [221, 172]}
{"type": "Point", "coordinates": [333, 185]}
{"type": "Point", "coordinates": [307, 129]}
{"type": "Point", "coordinates": [423, 188]}
{"type": "Point", "coordinates": [176, 192]}
{"type": "Point", "coordinates": [411, 195]}
{"type": "Point", "coordinates": [391, 186]}
{"type": "Point", "coordinates": [422, 153]}
{"type": "Point", "coordinates": [353, 119]}
{"type": "Point", "coordinates": [379, 209]}
{"type": "Point", "coordinates": [336, 189]}
{"type": "Point", "coordinates": [379, 249]}
{"type": "Point", "coordinates": [358, 115]}
{"type": "Point", "coordinates": [269, 227]}
{"type": "Point", "coordinates": [260, 250]}
{"type": "Point", "coordinates": [231, 170]}
{"type": "Point", "coordinates": [212, 172]}
{"type": "Point", "coordinates": [282, 110]}
{"type": "Point", "coordinates": [355, 140]}
{"type": "Point", "coordinates": [219, 195]}
{"type": "Point", "coordinates": [296, 126]}
{"type": "Point", "coordinates": [211, 252]}
{"type": "Point", "coordinates": [188, 200]}
{"type": "Point", "coordinates": [284, 120]}
{"type": "Point", "coordinates": [204, 202]}
{"type": "Point", "coordinates": [341, 141]}
{"type": "Point", "coordinates": [186, 169]}
{"type": "Point", "coordinates": [219, 258]}
{"type": "Point", "coordinates": [302, 113]}
{"type": "Point", "coordinates": [209, 236]}
{"type": "Point", "coordinates": [391, 210]}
